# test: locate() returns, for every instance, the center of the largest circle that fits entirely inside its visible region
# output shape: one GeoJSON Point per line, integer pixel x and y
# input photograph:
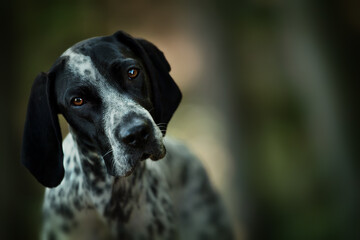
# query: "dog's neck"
{"type": "Point", "coordinates": [102, 187]}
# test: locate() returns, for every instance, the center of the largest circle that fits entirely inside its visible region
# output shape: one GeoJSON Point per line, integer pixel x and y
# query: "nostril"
{"type": "Point", "coordinates": [144, 133]}
{"type": "Point", "coordinates": [129, 139]}
{"type": "Point", "coordinates": [135, 134]}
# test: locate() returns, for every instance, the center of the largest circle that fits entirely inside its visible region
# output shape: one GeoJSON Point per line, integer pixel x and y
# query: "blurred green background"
{"type": "Point", "coordinates": [270, 102]}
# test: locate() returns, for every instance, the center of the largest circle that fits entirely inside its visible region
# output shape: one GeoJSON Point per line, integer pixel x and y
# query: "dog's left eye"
{"type": "Point", "coordinates": [133, 73]}
{"type": "Point", "coordinates": [77, 101]}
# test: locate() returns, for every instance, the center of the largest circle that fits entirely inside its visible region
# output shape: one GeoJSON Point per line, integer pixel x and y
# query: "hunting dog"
{"type": "Point", "coordinates": [104, 181]}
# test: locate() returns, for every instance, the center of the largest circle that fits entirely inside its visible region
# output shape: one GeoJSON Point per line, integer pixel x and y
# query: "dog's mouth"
{"type": "Point", "coordinates": [143, 158]}
{"type": "Point", "coordinates": [132, 161]}
{"type": "Point", "coordinates": [155, 155]}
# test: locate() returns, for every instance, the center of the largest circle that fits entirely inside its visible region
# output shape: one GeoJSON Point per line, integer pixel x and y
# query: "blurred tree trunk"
{"type": "Point", "coordinates": [299, 169]}
{"type": "Point", "coordinates": [6, 106]}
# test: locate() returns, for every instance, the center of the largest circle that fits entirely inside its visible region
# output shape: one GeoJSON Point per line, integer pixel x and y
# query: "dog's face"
{"type": "Point", "coordinates": [104, 92]}
{"type": "Point", "coordinates": [117, 96]}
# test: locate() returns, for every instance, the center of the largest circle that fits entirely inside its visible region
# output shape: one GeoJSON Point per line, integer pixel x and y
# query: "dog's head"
{"type": "Point", "coordinates": [117, 96]}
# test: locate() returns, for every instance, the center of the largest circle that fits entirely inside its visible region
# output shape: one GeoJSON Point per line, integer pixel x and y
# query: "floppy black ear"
{"type": "Point", "coordinates": [166, 95]}
{"type": "Point", "coordinates": [42, 142]}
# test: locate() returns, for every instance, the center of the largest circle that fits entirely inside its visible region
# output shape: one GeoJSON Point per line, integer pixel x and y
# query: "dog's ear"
{"type": "Point", "coordinates": [166, 95]}
{"type": "Point", "coordinates": [42, 142]}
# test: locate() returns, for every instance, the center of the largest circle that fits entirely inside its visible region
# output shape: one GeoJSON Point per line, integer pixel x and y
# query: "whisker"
{"type": "Point", "coordinates": [110, 151]}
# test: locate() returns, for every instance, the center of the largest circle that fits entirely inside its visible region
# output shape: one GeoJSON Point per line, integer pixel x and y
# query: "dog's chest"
{"type": "Point", "coordinates": [146, 211]}
{"type": "Point", "coordinates": [140, 206]}
{"type": "Point", "coordinates": [131, 207]}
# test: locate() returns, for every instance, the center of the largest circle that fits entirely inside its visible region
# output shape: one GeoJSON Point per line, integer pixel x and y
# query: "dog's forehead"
{"type": "Point", "coordinates": [79, 64]}
{"type": "Point", "coordinates": [95, 55]}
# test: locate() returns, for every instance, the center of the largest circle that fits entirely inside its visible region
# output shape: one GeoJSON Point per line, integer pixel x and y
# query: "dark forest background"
{"type": "Point", "coordinates": [270, 104]}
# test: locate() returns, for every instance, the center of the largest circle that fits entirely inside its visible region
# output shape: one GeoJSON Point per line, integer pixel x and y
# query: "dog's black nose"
{"type": "Point", "coordinates": [135, 133]}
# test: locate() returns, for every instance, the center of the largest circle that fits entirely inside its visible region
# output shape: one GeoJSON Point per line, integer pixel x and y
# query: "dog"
{"type": "Point", "coordinates": [104, 181]}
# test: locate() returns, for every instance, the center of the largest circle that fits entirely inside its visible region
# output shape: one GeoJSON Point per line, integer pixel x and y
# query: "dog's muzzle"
{"type": "Point", "coordinates": [136, 133]}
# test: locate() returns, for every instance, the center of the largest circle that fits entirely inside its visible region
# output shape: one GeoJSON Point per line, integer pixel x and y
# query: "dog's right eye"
{"type": "Point", "coordinates": [77, 101]}
{"type": "Point", "coordinates": [133, 73]}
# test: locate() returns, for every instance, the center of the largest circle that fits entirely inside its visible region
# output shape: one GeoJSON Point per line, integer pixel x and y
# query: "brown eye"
{"type": "Point", "coordinates": [133, 73]}
{"type": "Point", "coordinates": [77, 101]}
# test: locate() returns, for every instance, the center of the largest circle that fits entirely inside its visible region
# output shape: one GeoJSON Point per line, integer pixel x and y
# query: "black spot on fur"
{"type": "Point", "coordinates": [75, 187]}
{"type": "Point", "coordinates": [77, 170]}
{"type": "Point", "coordinates": [61, 193]}
{"type": "Point", "coordinates": [203, 236]}
{"type": "Point", "coordinates": [150, 231]}
{"type": "Point", "coordinates": [65, 228]}
{"type": "Point", "coordinates": [154, 190]}
{"type": "Point", "coordinates": [154, 212]}
{"type": "Point", "coordinates": [77, 204]}
{"type": "Point", "coordinates": [149, 198]}
{"type": "Point", "coordinates": [87, 72]}
{"type": "Point", "coordinates": [97, 190]}
{"type": "Point", "coordinates": [123, 234]}
{"type": "Point", "coordinates": [184, 175]}
{"type": "Point", "coordinates": [155, 181]}
{"type": "Point", "coordinates": [117, 208]}
{"type": "Point", "coordinates": [184, 215]}
{"type": "Point", "coordinates": [165, 202]}
{"type": "Point", "coordinates": [51, 236]}
{"type": "Point", "coordinates": [160, 226]}
{"type": "Point", "coordinates": [93, 166]}
{"type": "Point", "coordinates": [64, 211]}
{"type": "Point", "coordinates": [214, 215]}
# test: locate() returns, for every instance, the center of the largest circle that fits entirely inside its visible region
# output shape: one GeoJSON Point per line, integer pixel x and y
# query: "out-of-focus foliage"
{"type": "Point", "coordinates": [270, 92]}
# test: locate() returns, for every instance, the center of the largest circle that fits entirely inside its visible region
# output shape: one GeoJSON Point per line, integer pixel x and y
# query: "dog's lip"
{"type": "Point", "coordinates": [155, 154]}
{"type": "Point", "coordinates": [128, 173]}
{"type": "Point", "coordinates": [159, 154]}
{"type": "Point", "coordinates": [145, 156]}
